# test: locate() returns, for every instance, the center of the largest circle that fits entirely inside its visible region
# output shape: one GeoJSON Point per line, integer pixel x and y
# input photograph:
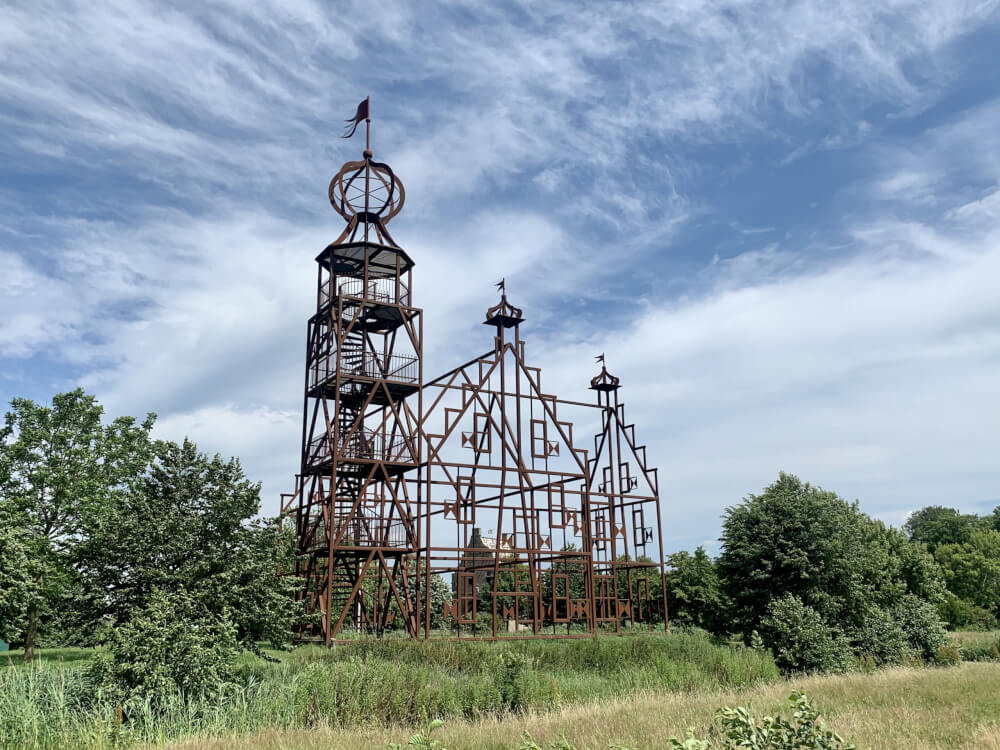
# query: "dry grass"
{"type": "Point", "coordinates": [974, 637]}
{"type": "Point", "coordinates": [915, 709]}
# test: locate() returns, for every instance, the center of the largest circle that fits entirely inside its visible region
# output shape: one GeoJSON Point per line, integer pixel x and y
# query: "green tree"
{"type": "Point", "coordinates": [936, 525]}
{"type": "Point", "coordinates": [188, 526]}
{"type": "Point", "coordinates": [972, 569]}
{"type": "Point", "coordinates": [853, 572]}
{"type": "Point", "coordinates": [993, 520]}
{"type": "Point", "coordinates": [59, 464]}
{"type": "Point", "coordinates": [694, 591]}
{"type": "Point", "coordinates": [802, 641]}
{"type": "Point", "coordinates": [441, 597]}
{"type": "Point", "coordinates": [21, 577]}
{"type": "Point", "coordinates": [960, 614]}
{"type": "Point", "coordinates": [171, 650]}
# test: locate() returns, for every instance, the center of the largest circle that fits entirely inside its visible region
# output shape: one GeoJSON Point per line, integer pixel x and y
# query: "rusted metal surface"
{"type": "Point", "coordinates": [399, 477]}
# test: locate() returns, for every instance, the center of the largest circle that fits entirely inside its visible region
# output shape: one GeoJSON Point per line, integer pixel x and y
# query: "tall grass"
{"type": "Point", "coordinates": [374, 682]}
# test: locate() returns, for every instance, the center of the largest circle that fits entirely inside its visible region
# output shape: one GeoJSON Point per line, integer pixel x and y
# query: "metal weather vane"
{"type": "Point", "coordinates": [363, 112]}
{"type": "Point", "coordinates": [366, 193]}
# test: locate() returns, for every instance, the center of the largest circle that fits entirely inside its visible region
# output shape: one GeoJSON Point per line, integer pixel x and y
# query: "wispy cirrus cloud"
{"type": "Point", "coordinates": [163, 195]}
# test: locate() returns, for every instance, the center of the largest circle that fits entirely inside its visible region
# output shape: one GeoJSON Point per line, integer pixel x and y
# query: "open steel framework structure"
{"type": "Point", "coordinates": [399, 475]}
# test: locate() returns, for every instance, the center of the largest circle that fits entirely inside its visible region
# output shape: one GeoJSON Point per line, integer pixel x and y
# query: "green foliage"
{"type": "Point", "coordinates": [738, 730]}
{"type": "Point", "coordinates": [981, 650]}
{"type": "Point", "coordinates": [916, 568]}
{"type": "Point", "coordinates": [167, 649]}
{"type": "Point", "coordinates": [58, 466]}
{"type": "Point", "coordinates": [801, 641]}
{"type": "Point", "coordinates": [423, 739]}
{"type": "Point", "coordinates": [936, 525]}
{"type": "Point", "coordinates": [187, 527]}
{"type": "Point", "coordinates": [959, 614]}
{"type": "Point", "coordinates": [585, 666]}
{"type": "Point", "coordinates": [23, 571]}
{"type": "Point", "coordinates": [836, 569]}
{"type": "Point", "coordinates": [972, 569]}
{"type": "Point", "coordinates": [879, 637]}
{"type": "Point", "coordinates": [967, 549]}
{"type": "Point", "coordinates": [695, 592]}
{"type": "Point", "coordinates": [405, 683]}
{"type": "Point", "coordinates": [441, 596]}
{"type": "Point", "coordinates": [947, 656]}
{"type": "Point", "coordinates": [509, 672]}
{"type": "Point", "coordinates": [921, 626]}
{"type": "Point", "coordinates": [734, 729]}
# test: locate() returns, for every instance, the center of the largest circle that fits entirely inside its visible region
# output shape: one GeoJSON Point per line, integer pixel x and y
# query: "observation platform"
{"type": "Point", "coordinates": [386, 302]}
{"type": "Point", "coordinates": [357, 454]}
{"type": "Point", "coordinates": [350, 258]}
{"type": "Point", "coordinates": [361, 373]}
{"type": "Point", "coordinates": [364, 533]}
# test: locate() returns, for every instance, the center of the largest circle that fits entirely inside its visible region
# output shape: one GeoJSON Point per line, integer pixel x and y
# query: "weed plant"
{"type": "Point", "coordinates": [396, 682]}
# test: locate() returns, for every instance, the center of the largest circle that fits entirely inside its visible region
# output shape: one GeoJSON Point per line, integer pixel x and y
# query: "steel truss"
{"type": "Point", "coordinates": [399, 477]}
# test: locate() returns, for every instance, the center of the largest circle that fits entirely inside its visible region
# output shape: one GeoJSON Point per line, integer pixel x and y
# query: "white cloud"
{"type": "Point", "coordinates": [873, 373]}
{"type": "Point", "coordinates": [26, 308]}
{"type": "Point", "coordinates": [874, 376]}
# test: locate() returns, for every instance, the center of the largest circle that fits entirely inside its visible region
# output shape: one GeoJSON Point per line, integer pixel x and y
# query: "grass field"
{"type": "Point", "coordinates": [635, 691]}
{"type": "Point", "coordinates": [903, 709]}
{"type": "Point", "coordinates": [51, 704]}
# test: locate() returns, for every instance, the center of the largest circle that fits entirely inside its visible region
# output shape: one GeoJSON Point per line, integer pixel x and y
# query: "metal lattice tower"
{"type": "Point", "coordinates": [399, 477]}
{"type": "Point", "coordinates": [353, 519]}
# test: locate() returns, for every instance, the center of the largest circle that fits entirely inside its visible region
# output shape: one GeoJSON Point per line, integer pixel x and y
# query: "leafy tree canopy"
{"type": "Point", "coordinates": [854, 573]}
{"type": "Point", "coordinates": [58, 464]}
{"type": "Point", "coordinates": [172, 650]}
{"type": "Point", "coordinates": [695, 591]}
{"type": "Point", "coordinates": [972, 569]}
{"type": "Point", "coordinates": [936, 525]}
{"type": "Point", "coordinates": [187, 526]}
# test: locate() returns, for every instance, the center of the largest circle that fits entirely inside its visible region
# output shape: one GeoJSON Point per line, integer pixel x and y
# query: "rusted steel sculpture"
{"type": "Point", "coordinates": [399, 476]}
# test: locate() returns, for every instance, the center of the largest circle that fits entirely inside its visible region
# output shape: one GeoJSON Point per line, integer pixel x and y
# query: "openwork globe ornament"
{"type": "Point", "coordinates": [366, 190]}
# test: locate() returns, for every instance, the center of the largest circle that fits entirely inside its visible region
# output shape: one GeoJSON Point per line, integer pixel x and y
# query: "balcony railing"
{"type": "Point", "coordinates": [361, 445]}
{"type": "Point", "coordinates": [371, 532]}
{"type": "Point", "coordinates": [381, 291]}
{"type": "Point", "coordinates": [401, 367]}
{"type": "Point", "coordinates": [364, 531]}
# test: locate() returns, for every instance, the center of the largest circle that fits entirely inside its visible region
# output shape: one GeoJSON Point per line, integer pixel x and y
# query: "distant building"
{"type": "Point", "coordinates": [479, 559]}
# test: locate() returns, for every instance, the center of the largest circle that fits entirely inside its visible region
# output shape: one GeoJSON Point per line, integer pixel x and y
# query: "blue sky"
{"type": "Point", "coordinates": [781, 221]}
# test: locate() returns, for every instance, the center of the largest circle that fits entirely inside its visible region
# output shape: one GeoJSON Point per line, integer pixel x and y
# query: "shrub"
{"type": "Point", "coordinates": [801, 641]}
{"type": "Point", "coordinates": [510, 671]}
{"type": "Point", "coordinates": [947, 656]}
{"type": "Point", "coordinates": [982, 651]}
{"type": "Point", "coordinates": [168, 649]}
{"type": "Point", "coordinates": [921, 625]}
{"type": "Point", "coordinates": [879, 637]}
{"type": "Point", "coordinates": [737, 729]}
{"type": "Point", "coordinates": [959, 613]}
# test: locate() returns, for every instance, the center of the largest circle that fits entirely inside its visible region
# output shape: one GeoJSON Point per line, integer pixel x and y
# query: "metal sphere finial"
{"type": "Point", "coordinates": [366, 188]}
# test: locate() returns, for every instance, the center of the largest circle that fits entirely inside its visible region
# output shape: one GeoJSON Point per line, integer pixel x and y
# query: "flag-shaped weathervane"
{"type": "Point", "coordinates": [501, 286]}
{"type": "Point", "coordinates": [359, 116]}
{"type": "Point", "coordinates": [600, 358]}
